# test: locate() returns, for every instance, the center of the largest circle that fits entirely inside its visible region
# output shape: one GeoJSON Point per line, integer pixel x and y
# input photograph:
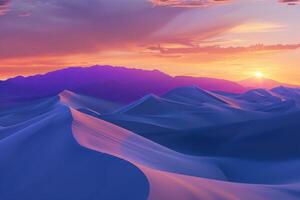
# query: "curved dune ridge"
{"type": "Point", "coordinates": [77, 147]}
{"type": "Point", "coordinates": [171, 175]}
{"type": "Point", "coordinates": [40, 160]}
{"type": "Point", "coordinates": [187, 108]}
{"type": "Point", "coordinates": [87, 104]}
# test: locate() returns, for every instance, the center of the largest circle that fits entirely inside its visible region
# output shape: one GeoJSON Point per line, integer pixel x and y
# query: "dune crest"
{"type": "Point", "coordinates": [162, 166]}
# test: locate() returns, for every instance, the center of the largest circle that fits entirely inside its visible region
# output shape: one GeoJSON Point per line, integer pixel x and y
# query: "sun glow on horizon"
{"type": "Point", "coordinates": [259, 74]}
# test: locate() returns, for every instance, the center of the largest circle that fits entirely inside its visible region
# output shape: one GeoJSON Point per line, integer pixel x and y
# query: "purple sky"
{"type": "Point", "coordinates": [227, 39]}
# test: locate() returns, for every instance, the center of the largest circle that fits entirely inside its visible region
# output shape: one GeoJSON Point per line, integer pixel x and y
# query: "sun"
{"type": "Point", "coordinates": [258, 74]}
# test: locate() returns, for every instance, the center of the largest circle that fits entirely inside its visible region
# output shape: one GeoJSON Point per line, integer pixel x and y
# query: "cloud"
{"type": "Point", "coordinates": [4, 6]}
{"type": "Point", "coordinates": [73, 27]}
{"type": "Point", "coordinates": [187, 3]}
{"type": "Point", "coordinates": [258, 27]}
{"type": "Point", "coordinates": [61, 28]}
{"type": "Point", "coordinates": [58, 28]}
{"type": "Point", "coordinates": [258, 48]}
{"type": "Point", "coordinates": [290, 2]}
{"type": "Point", "coordinates": [202, 3]}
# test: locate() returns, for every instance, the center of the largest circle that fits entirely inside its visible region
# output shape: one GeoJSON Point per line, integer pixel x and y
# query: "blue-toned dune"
{"type": "Point", "coordinates": [40, 160]}
{"type": "Point", "coordinates": [186, 144]}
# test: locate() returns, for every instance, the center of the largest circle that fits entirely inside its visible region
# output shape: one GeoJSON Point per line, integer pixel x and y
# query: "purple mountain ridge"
{"type": "Point", "coordinates": [118, 84]}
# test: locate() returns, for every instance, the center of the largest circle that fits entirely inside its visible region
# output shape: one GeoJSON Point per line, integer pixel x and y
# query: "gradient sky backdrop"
{"type": "Point", "coordinates": [217, 38]}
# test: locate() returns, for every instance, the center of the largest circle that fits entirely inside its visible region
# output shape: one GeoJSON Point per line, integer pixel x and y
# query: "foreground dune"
{"type": "Point", "coordinates": [58, 148]}
{"type": "Point", "coordinates": [171, 175]}
{"type": "Point", "coordinates": [40, 160]}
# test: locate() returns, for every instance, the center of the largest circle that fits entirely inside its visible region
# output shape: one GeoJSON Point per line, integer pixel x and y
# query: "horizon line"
{"type": "Point", "coordinates": [141, 69]}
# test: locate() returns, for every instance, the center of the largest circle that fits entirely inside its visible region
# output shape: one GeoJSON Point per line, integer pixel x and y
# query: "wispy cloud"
{"type": "Point", "coordinates": [258, 48]}
{"type": "Point", "coordinates": [187, 3]}
{"type": "Point", "coordinates": [74, 27]}
{"type": "Point", "coordinates": [4, 6]}
{"type": "Point", "coordinates": [201, 3]}
{"type": "Point", "coordinates": [290, 2]}
{"type": "Point", "coordinates": [258, 27]}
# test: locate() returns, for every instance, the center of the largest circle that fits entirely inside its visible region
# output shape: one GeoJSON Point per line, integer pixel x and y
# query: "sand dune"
{"type": "Point", "coordinates": [172, 175]}
{"type": "Point", "coordinates": [40, 160]}
{"type": "Point", "coordinates": [190, 107]}
{"type": "Point", "coordinates": [86, 103]}
{"type": "Point", "coordinates": [60, 147]}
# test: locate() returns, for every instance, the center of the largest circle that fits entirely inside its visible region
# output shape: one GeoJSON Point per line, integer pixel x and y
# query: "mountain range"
{"type": "Point", "coordinates": [99, 81]}
{"type": "Point", "coordinates": [128, 84]}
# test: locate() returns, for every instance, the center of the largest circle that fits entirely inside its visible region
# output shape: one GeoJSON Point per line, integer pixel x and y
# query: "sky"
{"type": "Point", "coordinates": [229, 39]}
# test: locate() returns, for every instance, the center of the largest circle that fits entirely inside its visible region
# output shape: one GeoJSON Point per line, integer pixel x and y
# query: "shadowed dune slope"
{"type": "Point", "coordinates": [65, 147]}
{"type": "Point", "coordinates": [41, 160]}
{"type": "Point", "coordinates": [172, 175]}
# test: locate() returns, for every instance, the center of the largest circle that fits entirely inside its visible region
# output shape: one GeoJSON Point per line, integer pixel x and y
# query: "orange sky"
{"type": "Point", "coordinates": [230, 40]}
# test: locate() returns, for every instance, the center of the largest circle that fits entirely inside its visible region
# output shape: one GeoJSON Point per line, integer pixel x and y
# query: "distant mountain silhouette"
{"type": "Point", "coordinates": [118, 84]}
{"type": "Point", "coordinates": [255, 82]}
